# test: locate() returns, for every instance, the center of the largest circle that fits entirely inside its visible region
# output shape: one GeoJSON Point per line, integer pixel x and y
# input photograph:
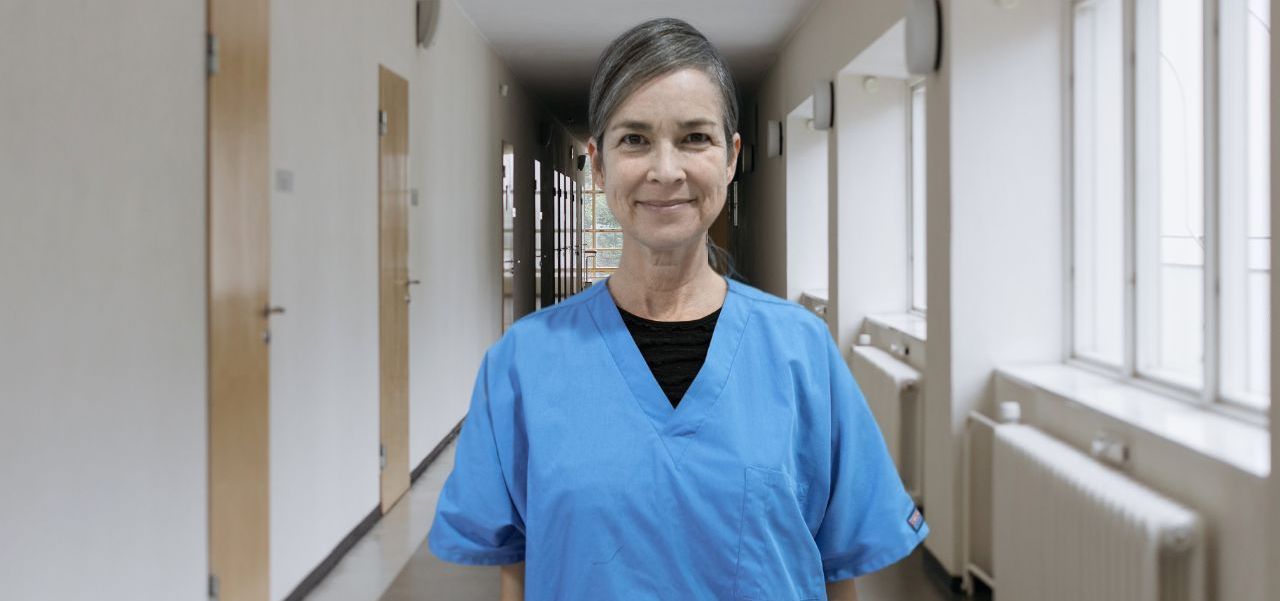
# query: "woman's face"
{"type": "Point", "coordinates": [664, 163]}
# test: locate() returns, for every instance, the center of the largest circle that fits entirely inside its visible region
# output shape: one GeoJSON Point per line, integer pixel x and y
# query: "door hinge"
{"type": "Point", "coordinates": [382, 457]}
{"type": "Point", "coordinates": [382, 123]}
{"type": "Point", "coordinates": [214, 587]}
{"type": "Point", "coordinates": [211, 54]}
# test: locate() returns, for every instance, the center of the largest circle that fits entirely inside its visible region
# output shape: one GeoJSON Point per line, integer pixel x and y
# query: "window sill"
{"type": "Point", "coordinates": [911, 325]}
{"type": "Point", "coordinates": [1234, 442]}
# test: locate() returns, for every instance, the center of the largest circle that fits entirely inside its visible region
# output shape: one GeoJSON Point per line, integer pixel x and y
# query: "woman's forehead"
{"type": "Point", "coordinates": [684, 98]}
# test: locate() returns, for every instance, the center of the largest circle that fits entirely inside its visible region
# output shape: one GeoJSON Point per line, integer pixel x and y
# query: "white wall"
{"type": "Point", "coordinates": [832, 35]}
{"type": "Point", "coordinates": [1274, 504]}
{"type": "Point", "coordinates": [102, 254]}
{"type": "Point", "coordinates": [806, 155]}
{"type": "Point", "coordinates": [995, 225]}
{"type": "Point", "coordinates": [103, 391]}
{"type": "Point", "coordinates": [324, 381]}
{"type": "Point", "coordinates": [324, 257]}
{"type": "Point", "coordinates": [455, 236]}
{"type": "Point", "coordinates": [871, 205]}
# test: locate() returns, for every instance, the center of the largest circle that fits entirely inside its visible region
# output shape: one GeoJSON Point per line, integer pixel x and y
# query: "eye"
{"type": "Point", "coordinates": [698, 138]}
{"type": "Point", "coordinates": [631, 140]}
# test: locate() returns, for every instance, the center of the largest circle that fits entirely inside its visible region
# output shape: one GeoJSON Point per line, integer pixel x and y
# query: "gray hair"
{"type": "Point", "coordinates": [649, 50]}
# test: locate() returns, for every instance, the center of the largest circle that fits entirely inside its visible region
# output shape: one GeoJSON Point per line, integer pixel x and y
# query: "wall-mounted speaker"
{"type": "Point", "coordinates": [582, 162]}
{"type": "Point", "coordinates": [428, 16]}
{"type": "Point", "coordinates": [924, 36]}
{"type": "Point", "coordinates": [824, 94]}
{"type": "Point", "coordinates": [773, 139]}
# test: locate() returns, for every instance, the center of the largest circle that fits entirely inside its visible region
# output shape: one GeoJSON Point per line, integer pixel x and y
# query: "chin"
{"type": "Point", "coordinates": [663, 241]}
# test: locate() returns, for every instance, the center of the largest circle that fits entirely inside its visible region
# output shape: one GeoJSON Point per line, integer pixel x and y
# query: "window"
{"type": "Point", "coordinates": [1098, 181]}
{"type": "Point", "coordinates": [601, 233]}
{"type": "Point", "coordinates": [916, 187]}
{"type": "Point", "coordinates": [1244, 215]}
{"type": "Point", "coordinates": [1170, 236]}
{"type": "Point", "coordinates": [1170, 192]}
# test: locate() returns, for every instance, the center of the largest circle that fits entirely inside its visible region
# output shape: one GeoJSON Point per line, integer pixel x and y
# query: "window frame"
{"type": "Point", "coordinates": [1136, 86]}
{"type": "Point", "coordinates": [914, 84]}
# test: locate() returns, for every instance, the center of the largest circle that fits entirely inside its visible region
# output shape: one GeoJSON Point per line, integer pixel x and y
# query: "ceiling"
{"type": "Point", "coordinates": [552, 45]}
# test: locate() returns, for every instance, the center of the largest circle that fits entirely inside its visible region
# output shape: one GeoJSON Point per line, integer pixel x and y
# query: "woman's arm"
{"type": "Point", "coordinates": [513, 582]}
{"type": "Point", "coordinates": [840, 591]}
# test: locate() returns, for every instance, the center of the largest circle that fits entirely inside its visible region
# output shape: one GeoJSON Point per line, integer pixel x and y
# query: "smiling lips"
{"type": "Point", "coordinates": [663, 205]}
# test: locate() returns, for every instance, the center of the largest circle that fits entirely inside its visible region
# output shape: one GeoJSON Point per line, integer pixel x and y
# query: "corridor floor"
{"type": "Point", "coordinates": [392, 562]}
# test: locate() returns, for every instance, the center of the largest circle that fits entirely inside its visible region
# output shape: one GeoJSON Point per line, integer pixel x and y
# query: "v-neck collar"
{"type": "Point", "coordinates": [674, 425]}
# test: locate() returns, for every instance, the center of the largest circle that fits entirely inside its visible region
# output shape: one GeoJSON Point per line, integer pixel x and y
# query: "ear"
{"type": "Point", "coordinates": [735, 148]}
{"type": "Point", "coordinates": [597, 163]}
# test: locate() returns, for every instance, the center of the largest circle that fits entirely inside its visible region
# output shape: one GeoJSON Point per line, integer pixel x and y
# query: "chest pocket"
{"type": "Point", "coordinates": [778, 559]}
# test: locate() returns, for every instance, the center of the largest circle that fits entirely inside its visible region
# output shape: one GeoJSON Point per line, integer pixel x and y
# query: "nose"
{"type": "Point", "coordinates": [666, 165]}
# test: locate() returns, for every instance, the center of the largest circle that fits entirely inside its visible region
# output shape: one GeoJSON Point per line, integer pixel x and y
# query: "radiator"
{"type": "Point", "coordinates": [980, 434]}
{"type": "Point", "coordinates": [816, 301]}
{"type": "Point", "coordinates": [1066, 527]}
{"type": "Point", "coordinates": [893, 392]}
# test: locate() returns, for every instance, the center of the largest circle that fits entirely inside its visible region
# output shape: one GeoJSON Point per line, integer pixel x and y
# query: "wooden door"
{"type": "Point", "coordinates": [394, 284]}
{"type": "Point", "coordinates": [238, 196]}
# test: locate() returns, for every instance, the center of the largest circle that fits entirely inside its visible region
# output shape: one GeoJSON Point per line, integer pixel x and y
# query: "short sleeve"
{"type": "Point", "coordinates": [870, 521]}
{"type": "Point", "coordinates": [476, 522]}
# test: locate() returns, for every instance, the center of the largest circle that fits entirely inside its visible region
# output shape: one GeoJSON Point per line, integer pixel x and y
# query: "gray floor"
{"type": "Point", "coordinates": [392, 562]}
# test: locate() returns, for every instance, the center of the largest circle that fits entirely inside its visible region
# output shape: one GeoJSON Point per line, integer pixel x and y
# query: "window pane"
{"type": "Point", "coordinates": [1098, 181]}
{"type": "Point", "coordinates": [1245, 214]}
{"type": "Point", "coordinates": [608, 258]}
{"type": "Point", "coordinates": [1171, 211]}
{"type": "Point", "coordinates": [604, 217]}
{"type": "Point", "coordinates": [609, 240]}
{"type": "Point", "coordinates": [918, 282]}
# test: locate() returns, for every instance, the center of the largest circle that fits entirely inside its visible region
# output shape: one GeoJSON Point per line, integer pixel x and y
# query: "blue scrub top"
{"type": "Point", "coordinates": [769, 479]}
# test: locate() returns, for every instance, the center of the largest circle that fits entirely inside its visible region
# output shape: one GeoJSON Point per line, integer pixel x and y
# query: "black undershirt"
{"type": "Point", "coordinates": [674, 350]}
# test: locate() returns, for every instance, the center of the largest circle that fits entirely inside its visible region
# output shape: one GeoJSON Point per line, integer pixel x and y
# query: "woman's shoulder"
{"type": "Point", "coordinates": [777, 311]}
{"type": "Point", "coordinates": [541, 328]}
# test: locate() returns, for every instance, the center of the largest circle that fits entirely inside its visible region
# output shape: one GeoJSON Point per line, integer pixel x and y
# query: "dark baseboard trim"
{"type": "Point", "coordinates": [938, 575]}
{"type": "Point", "coordinates": [431, 457]}
{"type": "Point", "coordinates": [313, 579]}
{"type": "Point", "coordinates": [317, 575]}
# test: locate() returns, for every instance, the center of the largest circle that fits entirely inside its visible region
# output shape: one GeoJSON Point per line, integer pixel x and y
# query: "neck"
{"type": "Point", "coordinates": [676, 285]}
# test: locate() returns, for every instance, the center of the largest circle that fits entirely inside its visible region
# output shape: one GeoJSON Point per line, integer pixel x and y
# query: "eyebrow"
{"type": "Point", "coordinates": [646, 127]}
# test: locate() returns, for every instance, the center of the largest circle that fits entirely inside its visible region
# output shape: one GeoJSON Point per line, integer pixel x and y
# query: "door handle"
{"type": "Point", "coordinates": [268, 311]}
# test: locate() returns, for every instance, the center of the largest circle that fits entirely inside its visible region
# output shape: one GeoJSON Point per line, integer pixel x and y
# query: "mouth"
{"type": "Point", "coordinates": [663, 206]}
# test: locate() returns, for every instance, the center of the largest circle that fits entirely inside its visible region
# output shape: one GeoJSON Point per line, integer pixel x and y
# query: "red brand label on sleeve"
{"type": "Point", "coordinates": [916, 520]}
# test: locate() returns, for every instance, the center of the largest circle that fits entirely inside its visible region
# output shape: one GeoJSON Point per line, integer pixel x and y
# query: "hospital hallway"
{"type": "Point", "coordinates": [998, 320]}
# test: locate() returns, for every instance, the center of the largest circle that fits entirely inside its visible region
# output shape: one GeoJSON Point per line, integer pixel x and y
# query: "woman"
{"type": "Point", "coordinates": [594, 464]}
